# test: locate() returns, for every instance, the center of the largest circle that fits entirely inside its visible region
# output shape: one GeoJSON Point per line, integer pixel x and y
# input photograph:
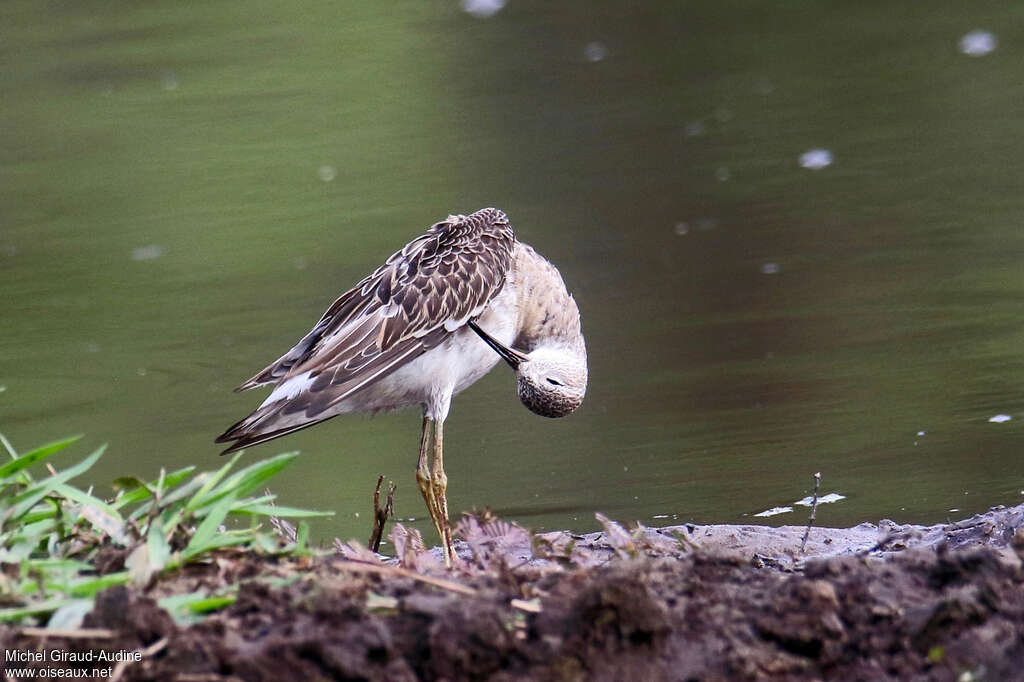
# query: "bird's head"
{"type": "Point", "coordinates": [551, 381]}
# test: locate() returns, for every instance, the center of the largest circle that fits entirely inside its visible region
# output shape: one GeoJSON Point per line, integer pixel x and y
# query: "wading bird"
{"type": "Point", "coordinates": [432, 320]}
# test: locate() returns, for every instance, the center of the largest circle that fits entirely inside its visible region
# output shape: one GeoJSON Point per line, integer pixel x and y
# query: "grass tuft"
{"type": "Point", "coordinates": [52, 533]}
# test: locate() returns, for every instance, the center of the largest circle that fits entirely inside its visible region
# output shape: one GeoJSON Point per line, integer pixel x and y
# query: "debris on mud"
{"type": "Point", "coordinates": [884, 602]}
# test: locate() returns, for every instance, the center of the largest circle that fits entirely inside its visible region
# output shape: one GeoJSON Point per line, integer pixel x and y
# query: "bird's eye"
{"type": "Point", "coordinates": [554, 382]}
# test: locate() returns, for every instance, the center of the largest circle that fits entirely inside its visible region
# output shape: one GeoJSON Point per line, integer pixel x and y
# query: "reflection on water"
{"type": "Point", "coordinates": [816, 159]}
{"type": "Point", "coordinates": [978, 43]}
{"type": "Point", "coordinates": [186, 189]}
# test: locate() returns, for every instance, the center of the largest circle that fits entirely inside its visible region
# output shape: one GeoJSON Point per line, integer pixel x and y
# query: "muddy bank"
{"type": "Point", "coordinates": [784, 547]}
{"type": "Point", "coordinates": [881, 602]}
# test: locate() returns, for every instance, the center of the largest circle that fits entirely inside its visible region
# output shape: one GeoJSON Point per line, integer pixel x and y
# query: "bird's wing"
{"type": "Point", "coordinates": [421, 294]}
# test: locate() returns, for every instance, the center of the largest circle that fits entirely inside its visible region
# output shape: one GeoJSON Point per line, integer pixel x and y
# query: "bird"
{"type": "Point", "coordinates": [437, 316]}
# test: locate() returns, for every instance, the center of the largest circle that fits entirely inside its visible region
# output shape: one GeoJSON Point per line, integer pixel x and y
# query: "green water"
{"type": "Point", "coordinates": [185, 187]}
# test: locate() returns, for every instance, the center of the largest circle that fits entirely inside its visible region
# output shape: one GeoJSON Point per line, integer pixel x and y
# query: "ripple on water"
{"type": "Point", "coordinates": [595, 51]}
{"type": "Point", "coordinates": [978, 43]}
{"type": "Point", "coordinates": [482, 8]}
{"type": "Point", "coordinates": [805, 502]}
{"type": "Point", "coordinates": [169, 81]}
{"type": "Point", "coordinates": [823, 499]}
{"type": "Point", "coordinates": [774, 511]}
{"type": "Point", "coordinates": [694, 129]}
{"type": "Point", "coordinates": [147, 252]}
{"type": "Point", "coordinates": [816, 159]}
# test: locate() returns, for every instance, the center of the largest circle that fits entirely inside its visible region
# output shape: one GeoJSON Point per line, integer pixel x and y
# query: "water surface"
{"type": "Point", "coordinates": [186, 188]}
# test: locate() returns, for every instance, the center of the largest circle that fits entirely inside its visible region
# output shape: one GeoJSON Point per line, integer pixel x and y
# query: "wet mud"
{"type": "Point", "coordinates": [686, 603]}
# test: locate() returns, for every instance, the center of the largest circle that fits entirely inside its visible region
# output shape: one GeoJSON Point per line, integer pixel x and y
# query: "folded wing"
{"type": "Point", "coordinates": [421, 295]}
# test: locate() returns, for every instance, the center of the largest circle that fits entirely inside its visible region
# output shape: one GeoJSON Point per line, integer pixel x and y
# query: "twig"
{"type": "Point", "coordinates": [284, 530]}
{"type": "Point", "coordinates": [80, 633]}
{"type": "Point", "coordinates": [380, 514]}
{"type": "Point", "coordinates": [154, 648]}
{"type": "Point", "coordinates": [814, 509]}
{"type": "Point", "coordinates": [405, 573]}
{"type": "Point", "coordinates": [528, 605]}
{"type": "Point", "coordinates": [7, 446]}
{"type": "Point", "coordinates": [890, 537]}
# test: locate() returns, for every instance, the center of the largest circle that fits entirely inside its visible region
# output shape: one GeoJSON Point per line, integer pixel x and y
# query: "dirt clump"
{"type": "Point", "coordinates": [924, 613]}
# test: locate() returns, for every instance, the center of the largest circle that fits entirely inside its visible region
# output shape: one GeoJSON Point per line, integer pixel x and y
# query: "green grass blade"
{"type": "Point", "coordinates": [252, 477]}
{"type": "Point", "coordinates": [126, 484]}
{"type": "Point", "coordinates": [159, 550]}
{"type": "Point", "coordinates": [7, 446]}
{"type": "Point", "coordinates": [168, 501]}
{"type": "Point", "coordinates": [208, 528]}
{"type": "Point", "coordinates": [97, 512]}
{"type": "Point", "coordinates": [159, 492]}
{"type": "Point", "coordinates": [70, 616]}
{"type": "Point", "coordinates": [22, 503]}
{"type": "Point", "coordinates": [58, 564]}
{"type": "Point", "coordinates": [29, 458]}
{"type": "Point", "coordinates": [187, 609]}
{"type": "Point", "coordinates": [229, 539]}
{"type": "Point", "coordinates": [181, 491]}
{"type": "Point", "coordinates": [274, 510]}
{"type": "Point", "coordinates": [39, 513]}
{"type": "Point", "coordinates": [47, 606]}
{"type": "Point", "coordinates": [140, 493]}
{"type": "Point", "coordinates": [24, 532]}
{"type": "Point", "coordinates": [212, 603]}
{"type": "Point", "coordinates": [199, 499]}
{"type": "Point", "coordinates": [262, 499]}
{"type": "Point", "coordinates": [17, 550]}
{"type": "Point", "coordinates": [64, 581]}
{"type": "Point", "coordinates": [89, 587]}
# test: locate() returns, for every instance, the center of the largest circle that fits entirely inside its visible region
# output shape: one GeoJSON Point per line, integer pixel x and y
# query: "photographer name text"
{"type": "Point", "coordinates": [64, 656]}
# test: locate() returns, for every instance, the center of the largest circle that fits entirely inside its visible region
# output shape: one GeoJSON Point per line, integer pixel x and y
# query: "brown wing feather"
{"type": "Point", "coordinates": [418, 297]}
{"type": "Point", "coordinates": [445, 274]}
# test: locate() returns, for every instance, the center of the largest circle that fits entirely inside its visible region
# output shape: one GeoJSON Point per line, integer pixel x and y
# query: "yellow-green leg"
{"type": "Point", "coordinates": [440, 481]}
{"type": "Point", "coordinates": [423, 471]}
{"type": "Point", "coordinates": [434, 483]}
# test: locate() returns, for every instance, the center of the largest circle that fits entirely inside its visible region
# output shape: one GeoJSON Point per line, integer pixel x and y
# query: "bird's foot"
{"type": "Point", "coordinates": [440, 487]}
{"type": "Point", "coordinates": [437, 507]}
{"type": "Point", "coordinates": [427, 490]}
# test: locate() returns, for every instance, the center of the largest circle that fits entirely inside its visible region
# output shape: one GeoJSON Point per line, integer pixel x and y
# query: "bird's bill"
{"type": "Point", "coordinates": [512, 357]}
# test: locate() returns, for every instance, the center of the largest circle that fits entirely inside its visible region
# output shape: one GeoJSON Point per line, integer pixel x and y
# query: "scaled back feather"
{"type": "Point", "coordinates": [422, 294]}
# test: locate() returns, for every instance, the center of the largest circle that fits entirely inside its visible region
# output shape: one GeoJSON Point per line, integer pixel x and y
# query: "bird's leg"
{"type": "Point", "coordinates": [440, 485]}
{"type": "Point", "coordinates": [423, 475]}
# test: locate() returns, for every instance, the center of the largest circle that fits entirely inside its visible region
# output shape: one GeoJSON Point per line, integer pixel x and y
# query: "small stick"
{"type": "Point", "coordinates": [81, 633]}
{"type": "Point", "coordinates": [154, 648]}
{"type": "Point", "coordinates": [381, 514]}
{"type": "Point", "coordinates": [384, 569]}
{"type": "Point", "coordinates": [529, 606]}
{"type": "Point", "coordinates": [814, 509]}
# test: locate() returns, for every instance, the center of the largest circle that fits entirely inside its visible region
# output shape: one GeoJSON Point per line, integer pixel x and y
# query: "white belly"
{"type": "Point", "coordinates": [443, 371]}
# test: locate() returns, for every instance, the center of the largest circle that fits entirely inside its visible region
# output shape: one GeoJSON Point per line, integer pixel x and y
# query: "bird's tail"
{"type": "Point", "coordinates": [266, 423]}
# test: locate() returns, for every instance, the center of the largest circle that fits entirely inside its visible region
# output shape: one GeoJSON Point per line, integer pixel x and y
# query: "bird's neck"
{"type": "Point", "coordinates": [548, 314]}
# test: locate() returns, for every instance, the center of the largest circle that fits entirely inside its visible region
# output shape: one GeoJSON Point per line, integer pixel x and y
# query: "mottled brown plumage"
{"type": "Point", "coordinates": [424, 326]}
{"type": "Point", "coordinates": [407, 306]}
{"type": "Point", "coordinates": [444, 275]}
